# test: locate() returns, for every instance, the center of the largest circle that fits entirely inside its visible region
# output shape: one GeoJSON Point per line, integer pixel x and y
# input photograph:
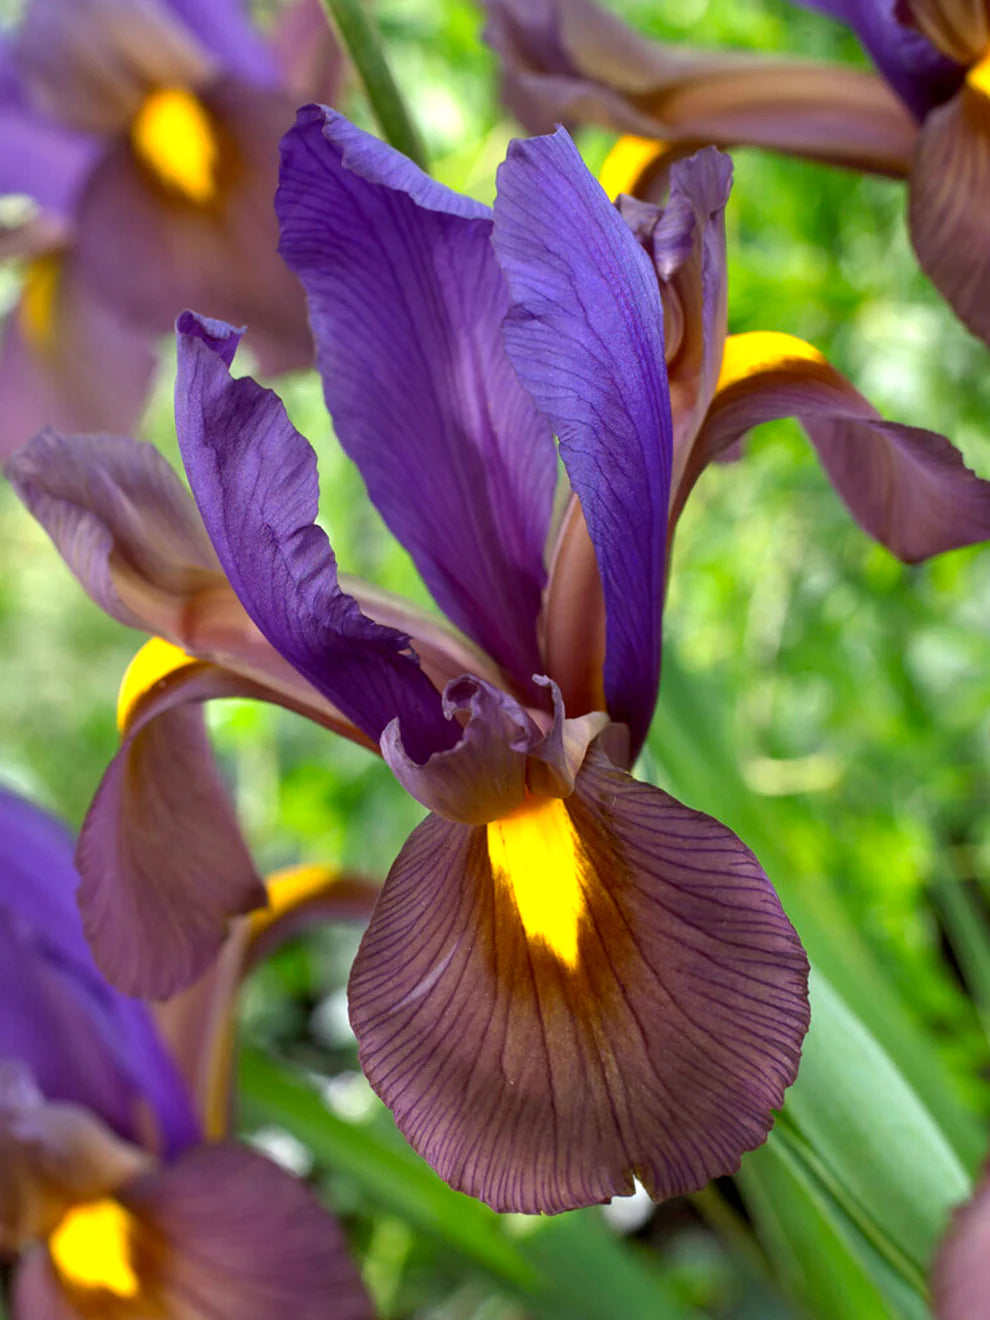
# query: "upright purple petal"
{"type": "Point", "coordinates": [83, 1042]}
{"type": "Point", "coordinates": [254, 479]}
{"type": "Point", "coordinates": [584, 332]}
{"type": "Point", "coordinates": [595, 987]}
{"type": "Point", "coordinates": [406, 302]}
{"type": "Point", "coordinates": [919, 73]}
{"type": "Point", "coordinates": [224, 28]}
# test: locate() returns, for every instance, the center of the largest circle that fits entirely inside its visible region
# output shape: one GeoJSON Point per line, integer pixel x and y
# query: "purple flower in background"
{"type": "Point", "coordinates": [145, 133]}
{"type": "Point", "coordinates": [961, 1269]}
{"type": "Point", "coordinates": [112, 1201]}
{"type": "Point", "coordinates": [569, 60]}
{"type": "Point", "coordinates": [569, 978]}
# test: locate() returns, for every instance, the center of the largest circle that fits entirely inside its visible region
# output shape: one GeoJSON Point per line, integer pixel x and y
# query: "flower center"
{"type": "Point", "coordinates": [91, 1248]}
{"type": "Point", "coordinates": [537, 856]}
{"type": "Point", "coordinates": [172, 135]}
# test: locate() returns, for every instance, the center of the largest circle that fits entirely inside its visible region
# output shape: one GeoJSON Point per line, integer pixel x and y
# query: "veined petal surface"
{"type": "Point", "coordinates": [406, 303]}
{"type": "Point", "coordinates": [605, 986]}
{"type": "Point", "coordinates": [584, 332]}
{"type": "Point", "coordinates": [909, 488]}
{"type": "Point", "coordinates": [946, 203]}
{"type": "Point", "coordinates": [254, 479]}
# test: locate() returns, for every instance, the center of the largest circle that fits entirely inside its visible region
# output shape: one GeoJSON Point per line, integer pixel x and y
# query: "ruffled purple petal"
{"type": "Point", "coordinates": [584, 332]}
{"type": "Point", "coordinates": [643, 1018]}
{"type": "Point", "coordinates": [406, 302]}
{"type": "Point", "coordinates": [83, 1042]}
{"type": "Point", "coordinates": [919, 73]}
{"type": "Point", "coordinates": [254, 479]}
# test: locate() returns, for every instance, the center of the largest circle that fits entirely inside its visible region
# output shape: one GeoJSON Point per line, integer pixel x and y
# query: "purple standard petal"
{"type": "Point", "coordinates": [584, 332]}
{"type": "Point", "coordinates": [591, 988]}
{"type": "Point", "coordinates": [406, 302]}
{"type": "Point", "coordinates": [83, 1042]}
{"type": "Point", "coordinates": [223, 27]}
{"type": "Point", "coordinates": [907, 487]}
{"type": "Point", "coordinates": [254, 479]}
{"type": "Point", "coordinates": [961, 1271]}
{"type": "Point", "coordinates": [918, 73]}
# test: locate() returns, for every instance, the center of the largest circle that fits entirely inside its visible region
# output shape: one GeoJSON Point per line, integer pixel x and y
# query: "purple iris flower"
{"type": "Point", "coordinates": [569, 977]}
{"type": "Point", "coordinates": [961, 1269]}
{"type": "Point", "coordinates": [145, 135]}
{"type": "Point", "coordinates": [111, 1201]}
{"type": "Point", "coordinates": [570, 60]}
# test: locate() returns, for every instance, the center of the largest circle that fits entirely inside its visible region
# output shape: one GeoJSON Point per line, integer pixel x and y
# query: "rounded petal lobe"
{"type": "Point", "coordinates": [907, 487]}
{"type": "Point", "coordinates": [947, 204]}
{"type": "Point", "coordinates": [584, 332]}
{"type": "Point", "coordinates": [593, 988]}
{"type": "Point", "coordinates": [254, 479]}
{"type": "Point", "coordinates": [423, 397]}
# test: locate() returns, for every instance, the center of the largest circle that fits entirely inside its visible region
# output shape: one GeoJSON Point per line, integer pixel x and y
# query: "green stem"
{"type": "Point", "coordinates": [360, 39]}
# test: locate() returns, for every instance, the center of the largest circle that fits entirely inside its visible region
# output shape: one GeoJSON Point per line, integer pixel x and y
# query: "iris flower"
{"type": "Point", "coordinates": [930, 123]}
{"type": "Point", "coordinates": [146, 136]}
{"type": "Point", "coordinates": [569, 977]}
{"type": "Point", "coordinates": [961, 1271]}
{"type": "Point", "coordinates": [112, 1201]}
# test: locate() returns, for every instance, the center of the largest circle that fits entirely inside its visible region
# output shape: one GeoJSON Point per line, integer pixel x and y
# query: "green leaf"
{"type": "Point", "coordinates": [360, 39]}
{"type": "Point", "coordinates": [567, 1268]}
{"type": "Point", "coordinates": [881, 1152]}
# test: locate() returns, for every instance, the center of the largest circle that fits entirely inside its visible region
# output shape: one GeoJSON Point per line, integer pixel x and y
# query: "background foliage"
{"type": "Point", "coordinates": [828, 702]}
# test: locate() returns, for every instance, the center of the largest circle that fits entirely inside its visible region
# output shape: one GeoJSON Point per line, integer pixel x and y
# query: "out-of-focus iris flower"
{"type": "Point", "coordinates": [145, 133]}
{"type": "Point", "coordinates": [961, 1271]}
{"type": "Point", "coordinates": [567, 59]}
{"type": "Point", "coordinates": [569, 978]}
{"type": "Point", "coordinates": [117, 1196]}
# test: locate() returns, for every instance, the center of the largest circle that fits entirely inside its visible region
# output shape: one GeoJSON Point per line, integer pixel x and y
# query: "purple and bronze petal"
{"type": "Point", "coordinates": [591, 989]}
{"type": "Point", "coordinates": [254, 479]}
{"type": "Point", "coordinates": [83, 1042]}
{"type": "Point", "coordinates": [920, 74]}
{"type": "Point", "coordinates": [423, 397]}
{"type": "Point", "coordinates": [947, 197]}
{"type": "Point", "coordinates": [150, 250]}
{"type": "Point", "coordinates": [584, 332]}
{"type": "Point", "coordinates": [571, 61]}
{"type": "Point", "coordinates": [223, 27]}
{"type": "Point", "coordinates": [907, 487]}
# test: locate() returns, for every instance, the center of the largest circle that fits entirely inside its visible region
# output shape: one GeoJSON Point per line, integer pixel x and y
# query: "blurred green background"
{"type": "Point", "coordinates": [851, 693]}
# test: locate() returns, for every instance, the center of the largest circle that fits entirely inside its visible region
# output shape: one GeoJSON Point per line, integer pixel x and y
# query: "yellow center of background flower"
{"type": "Point", "coordinates": [978, 77]}
{"type": "Point", "coordinates": [39, 294]}
{"type": "Point", "coordinates": [536, 854]}
{"type": "Point", "coordinates": [173, 136]}
{"type": "Point", "coordinates": [91, 1248]}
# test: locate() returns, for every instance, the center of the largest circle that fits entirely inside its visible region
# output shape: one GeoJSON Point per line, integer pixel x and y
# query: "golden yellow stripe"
{"type": "Point", "coordinates": [759, 351]}
{"type": "Point", "coordinates": [625, 163]}
{"type": "Point", "coordinates": [155, 661]}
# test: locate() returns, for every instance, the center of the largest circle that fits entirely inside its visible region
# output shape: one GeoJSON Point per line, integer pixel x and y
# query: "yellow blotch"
{"type": "Point", "coordinates": [39, 298]}
{"type": "Point", "coordinates": [91, 1248]}
{"type": "Point", "coordinates": [173, 135]}
{"type": "Point", "coordinates": [978, 77]}
{"type": "Point", "coordinates": [625, 163]}
{"type": "Point", "coordinates": [759, 351]}
{"type": "Point", "coordinates": [155, 661]}
{"type": "Point", "coordinates": [537, 856]}
{"type": "Point", "coordinates": [289, 888]}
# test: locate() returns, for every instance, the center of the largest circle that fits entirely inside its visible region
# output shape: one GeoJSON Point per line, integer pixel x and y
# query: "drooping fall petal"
{"type": "Point", "coordinates": [415, 375]}
{"type": "Point", "coordinates": [584, 332]}
{"type": "Point", "coordinates": [947, 199]}
{"type": "Point", "coordinates": [572, 61]}
{"type": "Point", "coordinates": [594, 987]}
{"type": "Point", "coordinates": [254, 479]}
{"type": "Point", "coordinates": [907, 487]}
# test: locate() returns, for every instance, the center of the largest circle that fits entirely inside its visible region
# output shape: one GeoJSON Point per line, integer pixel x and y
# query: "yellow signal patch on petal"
{"type": "Point", "coordinates": [155, 661]}
{"type": "Point", "coordinates": [91, 1248]}
{"type": "Point", "coordinates": [760, 351]}
{"type": "Point", "coordinates": [625, 163]}
{"type": "Point", "coordinates": [39, 297]}
{"type": "Point", "coordinates": [173, 135]}
{"type": "Point", "coordinates": [978, 77]}
{"type": "Point", "coordinates": [537, 856]}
